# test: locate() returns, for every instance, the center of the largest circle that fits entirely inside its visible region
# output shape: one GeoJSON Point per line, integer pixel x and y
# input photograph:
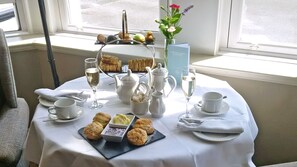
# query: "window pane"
{"type": "Point", "coordinates": [270, 22]}
{"type": "Point", "coordinates": [8, 20]}
{"type": "Point", "coordinates": [108, 13]}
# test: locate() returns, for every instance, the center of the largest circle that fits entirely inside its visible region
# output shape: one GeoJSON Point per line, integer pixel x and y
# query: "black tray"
{"type": "Point", "coordinates": [112, 149]}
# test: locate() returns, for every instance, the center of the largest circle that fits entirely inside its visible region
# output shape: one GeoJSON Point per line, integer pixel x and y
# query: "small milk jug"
{"type": "Point", "coordinates": [157, 106]}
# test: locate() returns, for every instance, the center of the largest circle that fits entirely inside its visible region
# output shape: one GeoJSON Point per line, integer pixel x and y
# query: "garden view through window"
{"type": "Point", "coordinates": [8, 20]}
{"type": "Point", "coordinates": [268, 22]}
{"type": "Point", "coordinates": [108, 14]}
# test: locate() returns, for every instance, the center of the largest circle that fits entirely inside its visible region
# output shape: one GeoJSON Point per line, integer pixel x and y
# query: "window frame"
{"type": "Point", "coordinates": [233, 42]}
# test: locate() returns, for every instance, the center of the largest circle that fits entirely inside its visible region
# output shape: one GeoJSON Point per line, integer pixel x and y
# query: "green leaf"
{"type": "Point", "coordinates": [177, 30]}
{"type": "Point", "coordinates": [175, 11]}
{"type": "Point", "coordinates": [174, 20]}
{"type": "Point", "coordinates": [162, 26]}
{"type": "Point", "coordinates": [164, 21]}
{"type": "Point", "coordinates": [178, 15]}
{"type": "Point", "coordinates": [165, 33]}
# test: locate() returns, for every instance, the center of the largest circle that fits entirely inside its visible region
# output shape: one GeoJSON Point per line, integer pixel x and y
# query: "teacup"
{"type": "Point", "coordinates": [211, 102]}
{"type": "Point", "coordinates": [64, 109]}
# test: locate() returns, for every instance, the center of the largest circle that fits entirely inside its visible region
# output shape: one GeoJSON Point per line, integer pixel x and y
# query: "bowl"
{"type": "Point", "coordinates": [114, 134]}
{"type": "Point", "coordinates": [117, 125]}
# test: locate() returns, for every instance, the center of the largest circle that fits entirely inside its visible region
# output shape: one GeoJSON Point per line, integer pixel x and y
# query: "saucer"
{"type": "Point", "coordinates": [216, 137]}
{"type": "Point", "coordinates": [46, 103]}
{"type": "Point", "coordinates": [54, 117]}
{"type": "Point", "coordinates": [224, 109]}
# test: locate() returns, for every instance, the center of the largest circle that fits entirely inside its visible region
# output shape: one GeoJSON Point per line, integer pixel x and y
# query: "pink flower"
{"type": "Point", "coordinates": [174, 6]}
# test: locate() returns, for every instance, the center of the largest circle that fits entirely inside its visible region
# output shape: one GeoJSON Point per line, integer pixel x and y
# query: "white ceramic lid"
{"type": "Point", "coordinates": [159, 71]}
{"type": "Point", "coordinates": [130, 77]}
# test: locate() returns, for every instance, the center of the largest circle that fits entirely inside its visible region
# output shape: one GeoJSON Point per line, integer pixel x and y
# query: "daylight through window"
{"type": "Point", "coordinates": [266, 25]}
{"type": "Point", "coordinates": [8, 19]}
{"type": "Point", "coordinates": [107, 14]}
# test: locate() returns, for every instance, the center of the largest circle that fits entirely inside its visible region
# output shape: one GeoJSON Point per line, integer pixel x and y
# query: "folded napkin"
{"type": "Point", "coordinates": [211, 126]}
{"type": "Point", "coordinates": [53, 95]}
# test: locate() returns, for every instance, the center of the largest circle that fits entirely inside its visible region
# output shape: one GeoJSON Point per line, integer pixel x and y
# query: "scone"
{"type": "Point", "coordinates": [110, 63]}
{"type": "Point", "coordinates": [108, 59]}
{"type": "Point", "coordinates": [137, 136]}
{"type": "Point", "coordinates": [139, 65]}
{"type": "Point", "coordinates": [145, 124]}
{"type": "Point", "coordinates": [102, 118]}
{"type": "Point", "coordinates": [93, 130]}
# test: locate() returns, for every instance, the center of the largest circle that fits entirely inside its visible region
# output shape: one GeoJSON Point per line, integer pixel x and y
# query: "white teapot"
{"type": "Point", "coordinates": [126, 86]}
{"type": "Point", "coordinates": [158, 79]}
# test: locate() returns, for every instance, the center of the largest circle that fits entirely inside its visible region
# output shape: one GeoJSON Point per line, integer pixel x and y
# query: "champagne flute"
{"type": "Point", "coordinates": [92, 74]}
{"type": "Point", "coordinates": [188, 83]}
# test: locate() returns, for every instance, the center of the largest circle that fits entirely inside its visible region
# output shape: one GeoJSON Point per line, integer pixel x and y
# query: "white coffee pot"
{"type": "Point", "coordinates": [158, 79]}
{"type": "Point", "coordinates": [126, 85]}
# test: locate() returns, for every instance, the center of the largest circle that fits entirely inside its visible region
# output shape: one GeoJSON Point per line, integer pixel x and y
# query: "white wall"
{"type": "Point", "coordinates": [200, 25]}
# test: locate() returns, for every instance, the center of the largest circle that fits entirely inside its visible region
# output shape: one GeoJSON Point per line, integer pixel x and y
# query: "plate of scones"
{"type": "Point", "coordinates": [113, 136]}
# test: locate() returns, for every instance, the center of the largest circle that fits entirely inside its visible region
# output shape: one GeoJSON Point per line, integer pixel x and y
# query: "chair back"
{"type": "Point", "coordinates": [8, 93]}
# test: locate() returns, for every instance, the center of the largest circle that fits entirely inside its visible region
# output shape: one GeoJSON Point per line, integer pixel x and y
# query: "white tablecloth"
{"type": "Point", "coordinates": [59, 144]}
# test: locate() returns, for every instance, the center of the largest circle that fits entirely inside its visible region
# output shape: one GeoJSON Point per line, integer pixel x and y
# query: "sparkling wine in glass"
{"type": "Point", "coordinates": [188, 84]}
{"type": "Point", "coordinates": [93, 78]}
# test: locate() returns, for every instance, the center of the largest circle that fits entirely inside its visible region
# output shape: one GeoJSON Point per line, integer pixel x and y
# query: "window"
{"type": "Point", "coordinates": [8, 17]}
{"type": "Point", "coordinates": [265, 26]}
{"type": "Point", "coordinates": [91, 15]}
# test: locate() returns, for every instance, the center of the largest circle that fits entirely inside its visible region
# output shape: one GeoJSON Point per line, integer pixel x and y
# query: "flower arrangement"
{"type": "Point", "coordinates": [170, 25]}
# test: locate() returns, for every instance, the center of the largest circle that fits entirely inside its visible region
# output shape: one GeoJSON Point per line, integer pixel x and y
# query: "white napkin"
{"type": "Point", "coordinates": [212, 126]}
{"type": "Point", "coordinates": [53, 95]}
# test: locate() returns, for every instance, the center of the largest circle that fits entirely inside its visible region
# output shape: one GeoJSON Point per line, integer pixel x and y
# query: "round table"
{"type": "Point", "coordinates": [57, 144]}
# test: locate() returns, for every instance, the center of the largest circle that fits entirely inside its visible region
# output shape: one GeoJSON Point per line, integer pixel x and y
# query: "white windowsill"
{"type": "Point", "coordinates": [254, 67]}
{"type": "Point", "coordinates": [275, 70]}
{"type": "Point", "coordinates": [80, 45]}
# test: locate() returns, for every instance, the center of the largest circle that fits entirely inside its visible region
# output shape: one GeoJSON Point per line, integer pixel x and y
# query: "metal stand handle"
{"type": "Point", "coordinates": [124, 24]}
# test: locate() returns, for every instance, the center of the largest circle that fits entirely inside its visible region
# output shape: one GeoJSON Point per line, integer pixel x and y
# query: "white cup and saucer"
{"type": "Point", "coordinates": [212, 103]}
{"type": "Point", "coordinates": [65, 110]}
